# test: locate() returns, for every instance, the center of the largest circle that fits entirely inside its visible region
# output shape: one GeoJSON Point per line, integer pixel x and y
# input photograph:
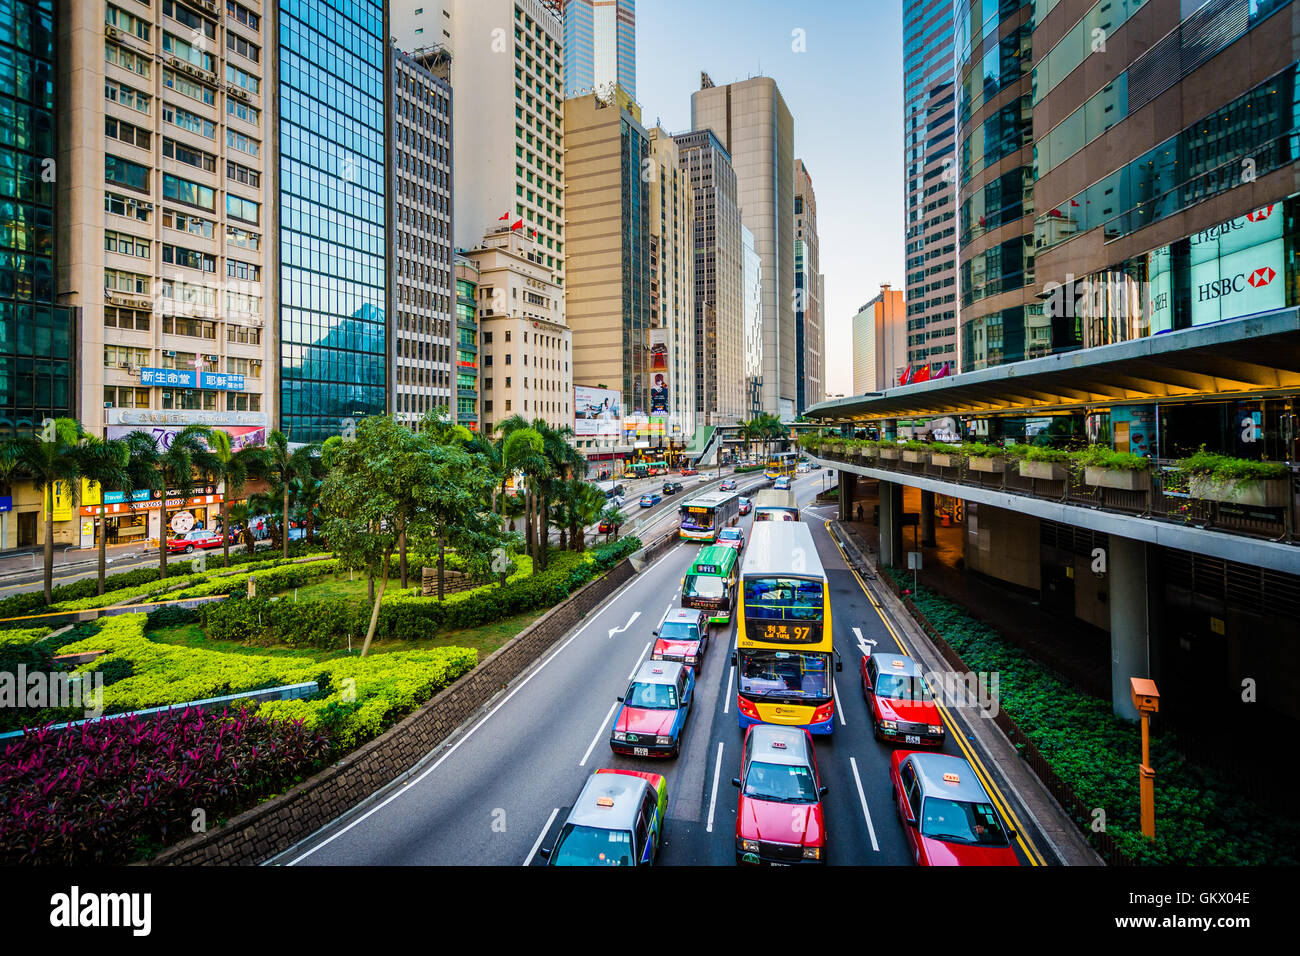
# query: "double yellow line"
{"type": "Point", "coordinates": [1032, 853]}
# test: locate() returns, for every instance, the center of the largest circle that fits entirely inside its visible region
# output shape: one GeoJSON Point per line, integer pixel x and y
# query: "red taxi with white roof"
{"type": "Point", "coordinates": [902, 706]}
{"type": "Point", "coordinates": [948, 818]}
{"type": "Point", "coordinates": [780, 819]}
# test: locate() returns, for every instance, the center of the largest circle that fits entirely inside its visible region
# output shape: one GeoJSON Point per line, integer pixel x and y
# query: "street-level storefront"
{"type": "Point", "coordinates": [139, 519]}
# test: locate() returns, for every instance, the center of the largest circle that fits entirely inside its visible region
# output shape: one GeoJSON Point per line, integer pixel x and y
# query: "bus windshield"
{"type": "Point", "coordinates": [783, 599]}
{"type": "Point", "coordinates": [697, 519]}
{"type": "Point", "coordinates": [704, 586]}
{"type": "Point", "coordinates": [802, 675]}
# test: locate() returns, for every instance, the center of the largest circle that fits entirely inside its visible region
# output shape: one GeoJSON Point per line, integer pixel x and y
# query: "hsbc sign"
{"type": "Point", "coordinates": [1256, 279]}
{"type": "Point", "coordinates": [1236, 267]}
{"type": "Point", "coordinates": [1261, 277]}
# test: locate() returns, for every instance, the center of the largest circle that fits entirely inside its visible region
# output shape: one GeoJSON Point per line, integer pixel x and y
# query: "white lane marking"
{"type": "Point", "coordinates": [863, 797]}
{"type": "Point", "coordinates": [406, 787]}
{"type": "Point", "coordinates": [865, 644]}
{"type": "Point", "coordinates": [713, 800]}
{"type": "Point", "coordinates": [630, 621]}
{"type": "Point", "coordinates": [731, 676]}
{"type": "Point", "coordinates": [669, 608]}
{"type": "Point", "coordinates": [599, 731]}
{"type": "Point", "coordinates": [835, 692]}
{"type": "Point", "coordinates": [637, 666]}
{"type": "Point", "coordinates": [540, 837]}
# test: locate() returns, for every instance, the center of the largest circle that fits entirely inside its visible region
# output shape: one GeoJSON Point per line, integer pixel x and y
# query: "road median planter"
{"type": "Point", "coordinates": [1123, 479]}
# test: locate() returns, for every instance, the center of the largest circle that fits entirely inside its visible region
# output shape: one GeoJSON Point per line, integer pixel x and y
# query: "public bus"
{"type": "Point", "coordinates": [781, 464]}
{"type": "Point", "coordinates": [785, 658]}
{"type": "Point", "coordinates": [710, 584]}
{"type": "Point", "coordinates": [773, 505]}
{"type": "Point", "coordinates": [644, 469]}
{"type": "Point", "coordinates": [701, 518]}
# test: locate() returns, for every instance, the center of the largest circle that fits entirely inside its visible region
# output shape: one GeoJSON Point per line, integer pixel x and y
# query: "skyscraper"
{"type": "Point", "coordinates": [752, 309]}
{"type": "Point", "coordinates": [808, 293]}
{"type": "Point", "coordinates": [599, 45]}
{"type": "Point", "coordinates": [752, 122]}
{"type": "Point", "coordinates": [879, 346]}
{"type": "Point", "coordinates": [930, 194]}
{"type": "Point", "coordinates": [332, 218]}
{"type": "Point", "coordinates": [719, 275]}
{"type": "Point", "coordinates": [422, 348]}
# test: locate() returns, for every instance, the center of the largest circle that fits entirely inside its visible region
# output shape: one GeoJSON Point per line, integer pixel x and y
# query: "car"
{"type": "Point", "coordinates": [728, 484]}
{"type": "Point", "coordinates": [605, 527]}
{"type": "Point", "coordinates": [672, 487]}
{"type": "Point", "coordinates": [190, 540]}
{"type": "Point", "coordinates": [682, 636]}
{"type": "Point", "coordinates": [654, 710]}
{"type": "Point", "coordinates": [900, 702]}
{"type": "Point", "coordinates": [650, 499]}
{"type": "Point", "coordinates": [617, 820]}
{"type": "Point", "coordinates": [732, 538]}
{"type": "Point", "coordinates": [782, 483]}
{"type": "Point", "coordinates": [948, 818]}
{"type": "Point", "coordinates": [746, 506]}
{"type": "Point", "coordinates": [780, 819]}
{"type": "Point", "coordinates": [701, 478]}
{"type": "Point", "coordinates": [689, 471]}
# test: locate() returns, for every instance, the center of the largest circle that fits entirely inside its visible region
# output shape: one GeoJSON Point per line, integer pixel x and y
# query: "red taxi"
{"type": "Point", "coordinates": [948, 819]}
{"type": "Point", "coordinates": [780, 819]}
{"type": "Point", "coordinates": [191, 540]}
{"type": "Point", "coordinates": [901, 704]}
{"type": "Point", "coordinates": [682, 636]}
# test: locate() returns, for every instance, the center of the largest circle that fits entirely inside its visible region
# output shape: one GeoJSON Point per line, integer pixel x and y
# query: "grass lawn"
{"type": "Point", "coordinates": [484, 639]}
{"type": "Point", "coordinates": [340, 587]}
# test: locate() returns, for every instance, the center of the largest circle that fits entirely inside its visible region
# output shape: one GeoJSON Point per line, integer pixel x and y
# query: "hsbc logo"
{"type": "Point", "coordinates": [1259, 215]}
{"type": "Point", "coordinates": [1261, 277]}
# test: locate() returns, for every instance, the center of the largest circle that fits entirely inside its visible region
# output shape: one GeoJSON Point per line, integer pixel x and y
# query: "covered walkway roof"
{"type": "Point", "coordinates": [1239, 357]}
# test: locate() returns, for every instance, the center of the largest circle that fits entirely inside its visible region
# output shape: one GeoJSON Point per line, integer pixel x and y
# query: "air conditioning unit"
{"type": "Point", "coordinates": [209, 5]}
{"type": "Point", "coordinates": [133, 369]}
{"type": "Point", "coordinates": [213, 358]}
{"type": "Point", "coordinates": [108, 404]}
{"type": "Point", "coordinates": [111, 32]}
{"type": "Point", "coordinates": [255, 322]}
{"type": "Point", "coordinates": [238, 91]}
{"type": "Point", "coordinates": [170, 353]}
{"type": "Point", "coordinates": [123, 364]}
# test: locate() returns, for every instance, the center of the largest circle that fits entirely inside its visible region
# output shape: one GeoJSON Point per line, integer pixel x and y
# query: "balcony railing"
{"type": "Point", "coordinates": [1155, 495]}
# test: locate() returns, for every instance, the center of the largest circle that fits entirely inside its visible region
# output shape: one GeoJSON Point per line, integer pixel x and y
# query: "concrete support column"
{"type": "Point", "coordinates": [927, 519]}
{"type": "Point", "coordinates": [1126, 579]}
{"type": "Point", "coordinates": [891, 524]}
{"type": "Point", "coordinates": [848, 490]}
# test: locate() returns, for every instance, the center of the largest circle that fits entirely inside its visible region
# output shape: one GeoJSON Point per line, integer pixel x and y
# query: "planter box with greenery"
{"type": "Point", "coordinates": [889, 452]}
{"type": "Point", "coordinates": [943, 455]}
{"type": "Point", "coordinates": [915, 452]}
{"type": "Point", "coordinates": [1043, 470]}
{"type": "Point", "coordinates": [1105, 468]}
{"type": "Point", "coordinates": [1238, 481]}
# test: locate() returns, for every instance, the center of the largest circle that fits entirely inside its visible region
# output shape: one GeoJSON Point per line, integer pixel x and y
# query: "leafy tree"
{"type": "Point", "coordinates": [525, 451]}
{"type": "Point", "coordinates": [104, 462]}
{"type": "Point", "coordinates": [50, 456]}
{"type": "Point", "coordinates": [585, 509]}
{"type": "Point", "coordinates": [453, 506]}
{"type": "Point", "coordinates": [613, 518]}
{"type": "Point", "coordinates": [280, 465]}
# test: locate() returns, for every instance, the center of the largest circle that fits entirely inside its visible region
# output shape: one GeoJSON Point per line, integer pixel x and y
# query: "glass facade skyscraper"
{"type": "Point", "coordinates": [333, 324]}
{"type": "Point", "coordinates": [599, 45]}
{"type": "Point", "coordinates": [35, 334]}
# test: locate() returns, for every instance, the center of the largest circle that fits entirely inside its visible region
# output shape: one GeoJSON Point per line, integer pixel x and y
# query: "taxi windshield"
{"type": "Point", "coordinates": [958, 821]}
{"type": "Point", "coordinates": [652, 696]}
{"type": "Point", "coordinates": [592, 846]}
{"type": "Point", "coordinates": [780, 782]}
{"type": "Point", "coordinates": [730, 534]}
{"type": "Point", "coordinates": [679, 630]}
{"type": "Point", "coordinates": [703, 586]}
{"type": "Point", "coordinates": [903, 687]}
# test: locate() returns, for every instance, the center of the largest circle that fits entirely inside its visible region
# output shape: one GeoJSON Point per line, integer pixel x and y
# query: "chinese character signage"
{"type": "Point", "coordinates": [172, 377]}
{"type": "Point", "coordinates": [224, 381]}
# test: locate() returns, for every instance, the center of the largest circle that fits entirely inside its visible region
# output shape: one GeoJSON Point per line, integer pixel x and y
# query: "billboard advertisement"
{"type": "Point", "coordinates": [240, 435]}
{"type": "Point", "coordinates": [658, 371]}
{"type": "Point", "coordinates": [597, 412]}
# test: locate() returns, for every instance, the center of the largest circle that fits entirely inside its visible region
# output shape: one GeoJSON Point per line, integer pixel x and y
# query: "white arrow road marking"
{"type": "Point", "coordinates": [863, 797]}
{"type": "Point", "coordinates": [864, 643]}
{"type": "Point", "coordinates": [620, 630]}
{"type": "Point", "coordinates": [541, 836]}
{"type": "Point", "coordinates": [713, 800]}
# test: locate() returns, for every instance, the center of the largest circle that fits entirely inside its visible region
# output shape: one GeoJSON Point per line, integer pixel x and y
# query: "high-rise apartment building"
{"type": "Point", "coordinates": [879, 342]}
{"type": "Point", "coordinates": [599, 46]}
{"type": "Point", "coordinates": [720, 372]}
{"type": "Point", "coordinates": [422, 349]}
{"type": "Point", "coordinates": [608, 259]}
{"type": "Point", "coordinates": [752, 122]}
{"type": "Point", "coordinates": [332, 214]}
{"type": "Point", "coordinates": [508, 127]}
{"type": "Point", "coordinates": [167, 237]}
{"type": "Point", "coordinates": [526, 350]}
{"type": "Point", "coordinates": [930, 172]}
{"type": "Point", "coordinates": [672, 287]}
{"type": "Point", "coordinates": [1002, 317]}
{"type": "Point", "coordinates": [752, 309]}
{"type": "Point", "coordinates": [467, 350]}
{"type": "Point", "coordinates": [37, 338]}
{"type": "Point", "coordinates": [807, 292]}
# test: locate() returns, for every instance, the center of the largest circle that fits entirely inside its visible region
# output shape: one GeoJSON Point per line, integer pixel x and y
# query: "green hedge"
{"type": "Point", "coordinates": [1200, 820]}
{"type": "Point", "coordinates": [327, 625]}
{"type": "Point", "coordinates": [358, 699]}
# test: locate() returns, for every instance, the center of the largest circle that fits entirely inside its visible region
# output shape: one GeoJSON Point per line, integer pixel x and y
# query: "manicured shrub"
{"type": "Point", "coordinates": [116, 790]}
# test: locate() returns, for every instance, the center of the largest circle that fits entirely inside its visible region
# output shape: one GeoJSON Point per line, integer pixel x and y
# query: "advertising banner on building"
{"type": "Point", "coordinates": [1237, 267]}
{"type": "Point", "coordinates": [659, 372]}
{"type": "Point", "coordinates": [241, 436]}
{"type": "Point", "coordinates": [596, 412]}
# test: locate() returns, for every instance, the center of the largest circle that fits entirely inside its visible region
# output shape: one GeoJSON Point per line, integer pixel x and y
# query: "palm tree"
{"type": "Point", "coordinates": [241, 513]}
{"type": "Point", "coordinates": [177, 463]}
{"type": "Point", "coordinates": [564, 461]}
{"type": "Point", "coordinates": [612, 517]}
{"type": "Point", "coordinates": [585, 508]}
{"type": "Point", "coordinates": [143, 467]}
{"type": "Point", "coordinates": [104, 462]}
{"type": "Point", "coordinates": [50, 457]}
{"type": "Point", "coordinates": [280, 466]}
{"type": "Point", "coordinates": [506, 429]}
{"type": "Point", "coordinates": [490, 453]}
{"type": "Point", "coordinates": [230, 469]}
{"type": "Point", "coordinates": [525, 451]}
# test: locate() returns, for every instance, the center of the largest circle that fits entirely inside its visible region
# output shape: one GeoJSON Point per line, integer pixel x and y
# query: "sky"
{"type": "Point", "coordinates": [845, 92]}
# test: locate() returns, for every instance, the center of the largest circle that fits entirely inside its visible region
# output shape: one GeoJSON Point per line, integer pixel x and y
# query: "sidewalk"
{"type": "Point", "coordinates": [27, 561]}
{"type": "Point", "coordinates": [1066, 843]}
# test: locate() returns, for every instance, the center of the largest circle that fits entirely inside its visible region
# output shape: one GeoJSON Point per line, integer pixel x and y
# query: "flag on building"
{"type": "Point", "coordinates": [505, 217]}
{"type": "Point", "coordinates": [518, 225]}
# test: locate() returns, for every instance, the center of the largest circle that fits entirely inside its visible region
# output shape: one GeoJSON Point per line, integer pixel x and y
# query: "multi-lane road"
{"type": "Point", "coordinates": [501, 789]}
